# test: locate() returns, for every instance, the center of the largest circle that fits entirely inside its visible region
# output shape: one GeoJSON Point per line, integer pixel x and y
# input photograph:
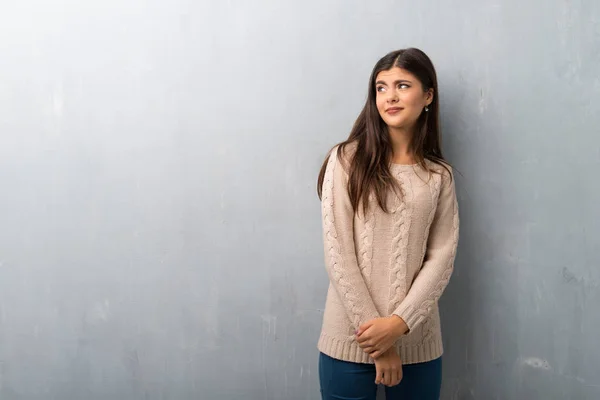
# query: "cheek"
{"type": "Point", "coordinates": [379, 102]}
{"type": "Point", "coordinates": [417, 101]}
{"type": "Point", "coordinates": [412, 101]}
{"type": "Point", "coordinates": [381, 107]}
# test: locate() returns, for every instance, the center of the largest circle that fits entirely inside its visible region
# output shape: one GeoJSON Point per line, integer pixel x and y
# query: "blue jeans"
{"type": "Point", "coordinates": [341, 380]}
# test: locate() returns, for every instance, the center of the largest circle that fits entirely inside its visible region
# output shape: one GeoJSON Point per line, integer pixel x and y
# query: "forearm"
{"type": "Point", "coordinates": [340, 255]}
{"type": "Point", "coordinates": [438, 264]}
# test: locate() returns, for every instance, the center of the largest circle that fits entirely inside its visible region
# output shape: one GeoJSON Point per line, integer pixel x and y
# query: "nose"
{"type": "Point", "coordinates": [392, 96]}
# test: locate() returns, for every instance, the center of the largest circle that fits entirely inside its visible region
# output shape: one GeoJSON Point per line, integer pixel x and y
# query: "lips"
{"type": "Point", "coordinates": [393, 110]}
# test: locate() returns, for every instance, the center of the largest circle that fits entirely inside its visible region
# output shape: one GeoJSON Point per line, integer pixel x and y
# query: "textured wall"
{"type": "Point", "coordinates": [161, 233]}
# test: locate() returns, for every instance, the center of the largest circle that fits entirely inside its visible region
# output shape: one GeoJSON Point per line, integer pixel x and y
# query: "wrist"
{"type": "Point", "coordinates": [400, 327]}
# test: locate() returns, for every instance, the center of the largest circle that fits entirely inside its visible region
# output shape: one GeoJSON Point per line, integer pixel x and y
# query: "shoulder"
{"type": "Point", "coordinates": [442, 168]}
{"type": "Point", "coordinates": [442, 172]}
{"type": "Point", "coordinates": [343, 154]}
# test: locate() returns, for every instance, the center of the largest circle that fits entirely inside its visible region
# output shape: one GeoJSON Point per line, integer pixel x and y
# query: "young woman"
{"type": "Point", "coordinates": [390, 227]}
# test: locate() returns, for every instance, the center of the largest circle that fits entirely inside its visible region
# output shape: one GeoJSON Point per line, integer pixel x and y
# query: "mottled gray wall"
{"type": "Point", "coordinates": [160, 235]}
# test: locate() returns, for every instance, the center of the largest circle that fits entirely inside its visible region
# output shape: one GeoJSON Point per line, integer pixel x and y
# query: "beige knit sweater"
{"type": "Point", "coordinates": [382, 264]}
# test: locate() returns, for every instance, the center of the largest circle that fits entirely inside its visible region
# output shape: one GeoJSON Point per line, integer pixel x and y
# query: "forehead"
{"type": "Point", "coordinates": [395, 74]}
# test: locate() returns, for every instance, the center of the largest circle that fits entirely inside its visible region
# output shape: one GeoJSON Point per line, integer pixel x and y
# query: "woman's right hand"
{"type": "Point", "coordinates": [389, 368]}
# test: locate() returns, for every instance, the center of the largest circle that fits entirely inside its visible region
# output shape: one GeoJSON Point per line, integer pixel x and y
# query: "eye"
{"type": "Point", "coordinates": [403, 86]}
{"type": "Point", "coordinates": [380, 89]}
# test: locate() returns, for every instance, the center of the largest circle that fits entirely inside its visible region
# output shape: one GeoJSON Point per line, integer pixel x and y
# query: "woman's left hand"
{"type": "Point", "coordinates": [378, 335]}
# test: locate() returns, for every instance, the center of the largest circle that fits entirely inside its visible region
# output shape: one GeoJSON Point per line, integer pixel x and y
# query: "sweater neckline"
{"type": "Point", "coordinates": [403, 166]}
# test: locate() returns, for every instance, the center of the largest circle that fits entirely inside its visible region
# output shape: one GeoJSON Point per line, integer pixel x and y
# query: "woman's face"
{"type": "Point", "coordinates": [400, 98]}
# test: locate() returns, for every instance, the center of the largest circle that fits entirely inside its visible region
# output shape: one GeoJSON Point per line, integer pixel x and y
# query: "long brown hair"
{"type": "Point", "coordinates": [369, 168]}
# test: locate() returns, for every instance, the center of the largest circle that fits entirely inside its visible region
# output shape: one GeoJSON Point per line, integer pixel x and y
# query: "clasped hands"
{"type": "Point", "coordinates": [376, 338]}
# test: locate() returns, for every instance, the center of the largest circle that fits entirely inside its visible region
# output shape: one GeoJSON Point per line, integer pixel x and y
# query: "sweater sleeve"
{"type": "Point", "coordinates": [338, 237]}
{"type": "Point", "coordinates": [438, 263]}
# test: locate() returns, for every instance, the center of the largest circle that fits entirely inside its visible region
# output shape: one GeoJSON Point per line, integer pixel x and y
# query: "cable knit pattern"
{"type": "Point", "coordinates": [334, 253]}
{"type": "Point", "coordinates": [390, 263]}
{"type": "Point", "coordinates": [367, 245]}
{"type": "Point", "coordinates": [434, 184]}
{"type": "Point", "coordinates": [426, 306]}
{"type": "Point", "coordinates": [340, 255]}
{"type": "Point", "coordinates": [438, 265]}
{"type": "Point", "coordinates": [402, 220]}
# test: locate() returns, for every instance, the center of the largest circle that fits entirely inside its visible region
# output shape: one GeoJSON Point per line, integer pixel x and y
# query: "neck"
{"type": "Point", "coordinates": [401, 145]}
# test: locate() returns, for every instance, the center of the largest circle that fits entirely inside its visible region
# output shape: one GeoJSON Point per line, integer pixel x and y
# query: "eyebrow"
{"type": "Point", "coordinates": [395, 82]}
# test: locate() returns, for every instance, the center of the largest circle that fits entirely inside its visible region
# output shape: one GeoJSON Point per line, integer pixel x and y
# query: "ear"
{"type": "Point", "coordinates": [429, 96]}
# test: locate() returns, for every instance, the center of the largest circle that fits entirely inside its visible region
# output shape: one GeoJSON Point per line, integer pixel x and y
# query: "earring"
{"type": "Point", "coordinates": [426, 109]}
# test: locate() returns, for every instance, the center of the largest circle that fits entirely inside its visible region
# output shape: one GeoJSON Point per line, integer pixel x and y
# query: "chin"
{"type": "Point", "coordinates": [396, 124]}
{"type": "Point", "coordinates": [400, 124]}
